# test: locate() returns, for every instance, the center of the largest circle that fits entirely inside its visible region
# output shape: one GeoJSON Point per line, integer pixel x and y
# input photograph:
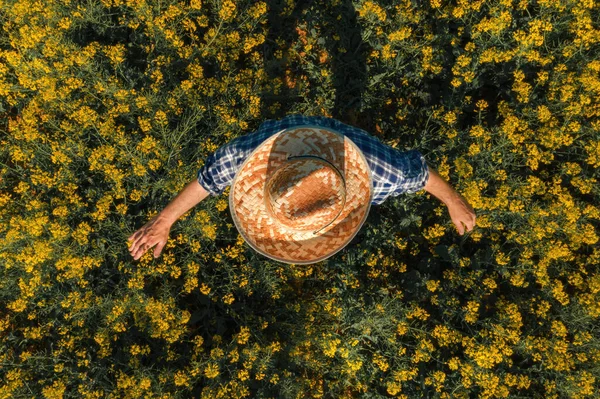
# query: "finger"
{"type": "Point", "coordinates": [136, 239]}
{"type": "Point", "coordinates": [130, 238]}
{"type": "Point", "coordinates": [139, 241]}
{"type": "Point", "coordinates": [140, 251]}
{"type": "Point", "coordinates": [135, 235]}
{"type": "Point", "coordinates": [159, 249]}
{"type": "Point", "coordinates": [143, 249]}
{"type": "Point", "coordinates": [459, 228]}
{"type": "Point", "coordinates": [133, 247]}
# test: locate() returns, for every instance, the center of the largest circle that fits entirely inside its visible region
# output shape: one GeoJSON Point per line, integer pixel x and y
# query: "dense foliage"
{"type": "Point", "coordinates": [109, 107]}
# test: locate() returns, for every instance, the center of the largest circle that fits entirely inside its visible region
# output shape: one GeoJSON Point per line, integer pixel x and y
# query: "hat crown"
{"type": "Point", "coordinates": [256, 201]}
{"type": "Point", "coordinates": [306, 193]}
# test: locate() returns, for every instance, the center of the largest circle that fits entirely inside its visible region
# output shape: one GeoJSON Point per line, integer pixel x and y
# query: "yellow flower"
{"type": "Point", "coordinates": [522, 88]}
{"type": "Point", "coordinates": [243, 375]}
{"type": "Point", "coordinates": [135, 195]}
{"type": "Point", "coordinates": [82, 232]}
{"type": "Point", "coordinates": [251, 42]}
{"type": "Point", "coordinates": [354, 365]}
{"type": "Point", "coordinates": [258, 10]}
{"type": "Point", "coordinates": [210, 231]}
{"type": "Point", "coordinates": [381, 363]}
{"type": "Point", "coordinates": [593, 151]}
{"type": "Point", "coordinates": [229, 298]}
{"type": "Point", "coordinates": [472, 309]}
{"type": "Point", "coordinates": [181, 378]}
{"type": "Point", "coordinates": [64, 23]}
{"type": "Point", "coordinates": [418, 313]}
{"type": "Point", "coordinates": [228, 10]}
{"type": "Point", "coordinates": [485, 356]}
{"type": "Point", "coordinates": [370, 8]}
{"type": "Point", "coordinates": [490, 283]}
{"type": "Point", "coordinates": [344, 352]}
{"type": "Point", "coordinates": [274, 379]}
{"type": "Point", "coordinates": [55, 391]}
{"type": "Point", "coordinates": [481, 105]}
{"type": "Point", "coordinates": [402, 328]}
{"type": "Point", "coordinates": [387, 53]}
{"type": "Point", "coordinates": [115, 53]}
{"type": "Point", "coordinates": [543, 113]}
{"type": "Point", "coordinates": [474, 149]}
{"type": "Point", "coordinates": [432, 285]}
{"type": "Point", "coordinates": [145, 383]}
{"type": "Point", "coordinates": [463, 168]}
{"type": "Point", "coordinates": [477, 131]}
{"type": "Point", "coordinates": [502, 259]}
{"type": "Point", "coordinates": [456, 82]}
{"type": "Point", "coordinates": [330, 347]}
{"type": "Point", "coordinates": [145, 125]}
{"type": "Point", "coordinates": [400, 34]}
{"type": "Point", "coordinates": [211, 370]}
{"type": "Point", "coordinates": [559, 294]}
{"type": "Point", "coordinates": [161, 118]}
{"type": "Point", "coordinates": [517, 279]}
{"type": "Point", "coordinates": [154, 164]}
{"type": "Point", "coordinates": [450, 117]}
{"type": "Point", "coordinates": [205, 289]}
{"type": "Point", "coordinates": [243, 335]}
{"type": "Point", "coordinates": [494, 25]}
{"type": "Point", "coordinates": [222, 204]}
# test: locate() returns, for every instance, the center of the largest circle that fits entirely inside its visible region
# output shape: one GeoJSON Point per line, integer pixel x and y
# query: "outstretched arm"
{"type": "Point", "coordinates": [460, 210]}
{"type": "Point", "coordinates": [191, 195]}
{"type": "Point", "coordinates": [156, 231]}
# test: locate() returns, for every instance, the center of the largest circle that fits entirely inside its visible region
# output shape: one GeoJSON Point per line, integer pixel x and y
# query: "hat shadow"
{"type": "Point", "coordinates": [343, 46]}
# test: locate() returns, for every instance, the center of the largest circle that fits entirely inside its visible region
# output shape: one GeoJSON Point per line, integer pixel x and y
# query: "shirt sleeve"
{"type": "Point", "coordinates": [413, 172]}
{"type": "Point", "coordinates": [218, 171]}
{"type": "Point", "coordinates": [221, 166]}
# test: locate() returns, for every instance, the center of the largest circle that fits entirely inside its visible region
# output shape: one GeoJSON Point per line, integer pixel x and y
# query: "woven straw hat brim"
{"type": "Point", "coordinates": [273, 239]}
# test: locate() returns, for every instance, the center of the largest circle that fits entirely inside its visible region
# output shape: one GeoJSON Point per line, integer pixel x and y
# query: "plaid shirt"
{"type": "Point", "coordinates": [394, 172]}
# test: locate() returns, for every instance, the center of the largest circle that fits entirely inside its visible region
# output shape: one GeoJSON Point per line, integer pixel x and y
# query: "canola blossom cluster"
{"type": "Point", "coordinates": [109, 107]}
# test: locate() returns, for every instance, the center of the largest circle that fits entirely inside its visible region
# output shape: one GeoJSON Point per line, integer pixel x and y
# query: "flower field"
{"type": "Point", "coordinates": [109, 107]}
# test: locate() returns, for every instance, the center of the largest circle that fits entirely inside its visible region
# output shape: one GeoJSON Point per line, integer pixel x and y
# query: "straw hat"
{"type": "Point", "coordinates": [302, 195]}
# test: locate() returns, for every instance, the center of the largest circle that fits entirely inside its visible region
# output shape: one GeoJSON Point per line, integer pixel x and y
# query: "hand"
{"type": "Point", "coordinates": [461, 212]}
{"type": "Point", "coordinates": [156, 231]}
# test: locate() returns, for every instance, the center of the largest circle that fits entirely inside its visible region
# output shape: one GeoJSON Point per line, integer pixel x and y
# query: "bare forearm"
{"type": "Point", "coordinates": [191, 195]}
{"type": "Point", "coordinates": [439, 188]}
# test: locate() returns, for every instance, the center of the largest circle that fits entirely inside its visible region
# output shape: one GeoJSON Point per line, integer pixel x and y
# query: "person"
{"type": "Point", "coordinates": [301, 188]}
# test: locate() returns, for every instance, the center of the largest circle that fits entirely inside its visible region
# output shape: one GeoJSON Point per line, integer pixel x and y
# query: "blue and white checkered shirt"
{"type": "Point", "coordinates": [394, 172]}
